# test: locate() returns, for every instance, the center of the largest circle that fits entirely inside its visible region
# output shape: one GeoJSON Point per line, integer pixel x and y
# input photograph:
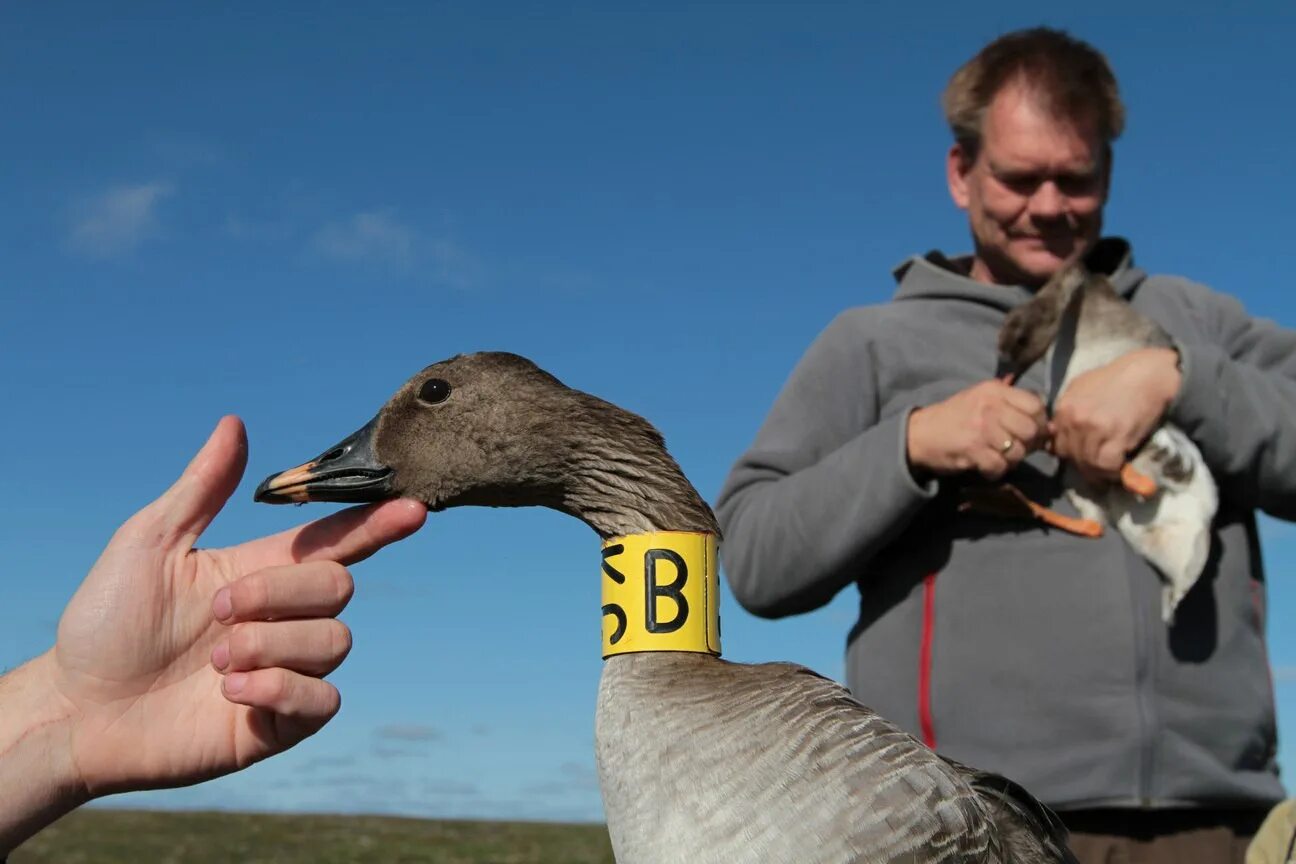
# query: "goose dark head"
{"type": "Point", "coordinates": [494, 429]}
{"type": "Point", "coordinates": [1030, 328]}
{"type": "Point", "coordinates": [1024, 337]}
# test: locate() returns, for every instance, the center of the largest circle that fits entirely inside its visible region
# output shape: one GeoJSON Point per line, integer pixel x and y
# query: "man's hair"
{"type": "Point", "coordinates": [1070, 79]}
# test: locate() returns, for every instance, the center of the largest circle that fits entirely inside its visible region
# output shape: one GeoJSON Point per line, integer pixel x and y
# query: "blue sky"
{"type": "Point", "coordinates": [284, 210]}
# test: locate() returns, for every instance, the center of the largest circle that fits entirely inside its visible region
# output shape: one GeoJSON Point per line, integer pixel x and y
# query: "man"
{"type": "Point", "coordinates": [1004, 644]}
{"type": "Point", "coordinates": [175, 665]}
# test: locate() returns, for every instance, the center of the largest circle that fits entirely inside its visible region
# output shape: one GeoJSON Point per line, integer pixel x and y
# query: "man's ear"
{"type": "Point", "coordinates": [957, 167]}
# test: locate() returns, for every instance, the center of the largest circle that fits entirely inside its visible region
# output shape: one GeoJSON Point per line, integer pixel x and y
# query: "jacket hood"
{"type": "Point", "coordinates": [934, 276]}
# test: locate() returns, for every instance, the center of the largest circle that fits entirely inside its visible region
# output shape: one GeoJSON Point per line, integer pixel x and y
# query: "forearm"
{"type": "Point", "coordinates": [37, 776]}
{"type": "Point", "coordinates": [1244, 420]}
{"type": "Point", "coordinates": [793, 540]}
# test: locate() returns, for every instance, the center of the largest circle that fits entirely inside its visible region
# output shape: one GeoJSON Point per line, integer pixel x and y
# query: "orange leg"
{"type": "Point", "coordinates": [1137, 482]}
{"type": "Point", "coordinates": [1072, 524]}
{"type": "Point", "coordinates": [1009, 501]}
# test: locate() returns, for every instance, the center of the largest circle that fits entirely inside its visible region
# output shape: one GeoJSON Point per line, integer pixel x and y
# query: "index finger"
{"type": "Point", "coordinates": [347, 536]}
{"type": "Point", "coordinates": [1026, 402]}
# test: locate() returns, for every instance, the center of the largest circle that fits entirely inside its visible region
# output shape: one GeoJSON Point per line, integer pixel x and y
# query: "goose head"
{"type": "Point", "coordinates": [1025, 336]}
{"type": "Point", "coordinates": [494, 429]}
{"type": "Point", "coordinates": [1031, 327]}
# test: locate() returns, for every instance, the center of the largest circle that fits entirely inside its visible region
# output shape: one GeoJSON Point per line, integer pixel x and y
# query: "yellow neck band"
{"type": "Point", "coordinates": [661, 592]}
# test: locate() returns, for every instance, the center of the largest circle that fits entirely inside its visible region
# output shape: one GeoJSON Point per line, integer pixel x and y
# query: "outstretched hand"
{"type": "Point", "coordinates": [177, 664]}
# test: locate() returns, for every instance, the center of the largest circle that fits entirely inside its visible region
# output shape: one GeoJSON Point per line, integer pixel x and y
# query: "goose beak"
{"type": "Point", "coordinates": [347, 472]}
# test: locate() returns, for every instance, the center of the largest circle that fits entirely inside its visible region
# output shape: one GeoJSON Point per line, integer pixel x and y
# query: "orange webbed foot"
{"type": "Point", "coordinates": [1137, 482]}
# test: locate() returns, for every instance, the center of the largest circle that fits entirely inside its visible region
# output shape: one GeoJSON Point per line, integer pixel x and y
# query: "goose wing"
{"type": "Point", "coordinates": [776, 764]}
{"type": "Point", "coordinates": [1027, 830]}
{"type": "Point", "coordinates": [951, 811]}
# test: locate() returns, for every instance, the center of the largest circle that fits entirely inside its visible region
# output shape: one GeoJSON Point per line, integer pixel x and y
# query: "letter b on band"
{"type": "Point", "coordinates": [673, 590]}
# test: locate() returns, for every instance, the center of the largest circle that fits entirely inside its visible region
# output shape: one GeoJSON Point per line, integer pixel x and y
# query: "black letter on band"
{"type": "Point", "coordinates": [612, 573]}
{"type": "Point", "coordinates": [618, 577]}
{"type": "Point", "coordinates": [614, 609]}
{"type": "Point", "coordinates": [674, 590]}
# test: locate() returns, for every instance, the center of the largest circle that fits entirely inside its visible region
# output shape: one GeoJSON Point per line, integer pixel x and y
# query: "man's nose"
{"type": "Point", "coordinates": [1048, 202]}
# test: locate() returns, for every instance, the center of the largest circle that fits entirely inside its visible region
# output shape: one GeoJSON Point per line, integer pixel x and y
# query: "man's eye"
{"type": "Point", "coordinates": [1022, 184]}
{"type": "Point", "coordinates": [1077, 184]}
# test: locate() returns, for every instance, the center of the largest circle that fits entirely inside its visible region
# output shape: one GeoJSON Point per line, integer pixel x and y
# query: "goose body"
{"type": "Point", "coordinates": [1171, 528]}
{"type": "Point", "coordinates": [700, 761]}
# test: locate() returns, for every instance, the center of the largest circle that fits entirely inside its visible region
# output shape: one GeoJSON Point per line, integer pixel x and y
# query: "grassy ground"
{"type": "Point", "coordinates": [129, 837]}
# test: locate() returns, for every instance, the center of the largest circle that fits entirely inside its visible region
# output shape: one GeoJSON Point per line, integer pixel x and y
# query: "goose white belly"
{"type": "Point", "coordinates": [1091, 351]}
{"type": "Point", "coordinates": [1172, 528]}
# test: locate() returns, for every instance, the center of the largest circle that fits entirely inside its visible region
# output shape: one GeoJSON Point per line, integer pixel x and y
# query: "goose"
{"type": "Point", "coordinates": [1166, 498]}
{"type": "Point", "coordinates": [700, 760]}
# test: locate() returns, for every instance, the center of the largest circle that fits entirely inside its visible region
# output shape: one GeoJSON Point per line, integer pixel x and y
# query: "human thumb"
{"type": "Point", "coordinates": [188, 507]}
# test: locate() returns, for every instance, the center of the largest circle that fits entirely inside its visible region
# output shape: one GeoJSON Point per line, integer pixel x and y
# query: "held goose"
{"type": "Point", "coordinates": [700, 760]}
{"type": "Point", "coordinates": [1167, 498]}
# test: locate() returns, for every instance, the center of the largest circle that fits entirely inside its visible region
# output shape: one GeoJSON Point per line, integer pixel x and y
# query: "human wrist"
{"type": "Point", "coordinates": [916, 451]}
{"type": "Point", "coordinates": [37, 768]}
{"type": "Point", "coordinates": [1169, 375]}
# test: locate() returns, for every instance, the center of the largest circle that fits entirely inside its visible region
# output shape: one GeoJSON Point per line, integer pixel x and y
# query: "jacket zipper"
{"type": "Point", "coordinates": [1143, 673]}
{"type": "Point", "coordinates": [926, 726]}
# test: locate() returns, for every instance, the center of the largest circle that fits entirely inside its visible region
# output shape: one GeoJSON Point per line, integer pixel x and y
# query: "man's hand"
{"type": "Point", "coordinates": [1104, 414]}
{"type": "Point", "coordinates": [988, 428]}
{"type": "Point", "coordinates": [175, 664]}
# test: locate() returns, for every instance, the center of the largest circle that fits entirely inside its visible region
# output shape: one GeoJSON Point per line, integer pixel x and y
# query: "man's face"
{"type": "Point", "coordinates": [1035, 192]}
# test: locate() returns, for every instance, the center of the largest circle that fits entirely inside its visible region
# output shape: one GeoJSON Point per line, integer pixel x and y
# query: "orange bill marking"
{"type": "Point", "coordinates": [292, 483]}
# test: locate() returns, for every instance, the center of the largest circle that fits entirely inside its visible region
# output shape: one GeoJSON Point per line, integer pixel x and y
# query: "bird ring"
{"type": "Point", "coordinates": [1006, 446]}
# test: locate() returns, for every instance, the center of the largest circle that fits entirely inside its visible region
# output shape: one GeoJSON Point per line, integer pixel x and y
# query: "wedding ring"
{"type": "Point", "coordinates": [1006, 446]}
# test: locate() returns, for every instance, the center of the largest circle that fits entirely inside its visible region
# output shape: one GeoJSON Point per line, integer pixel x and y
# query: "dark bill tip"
{"type": "Point", "coordinates": [348, 472]}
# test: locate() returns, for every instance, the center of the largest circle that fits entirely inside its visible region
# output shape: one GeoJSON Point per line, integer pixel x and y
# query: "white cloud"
{"type": "Point", "coordinates": [374, 236]}
{"type": "Point", "coordinates": [407, 732]}
{"type": "Point", "coordinates": [327, 762]}
{"type": "Point", "coordinates": [574, 778]}
{"type": "Point", "coordinates": [580, 776]}
{"type": "Point", "coordinates": [379, 237]}
{"type": "Point", "coordinates": [452, 788]}
{"type": "Point", "coordinates": [453, 266]}
{"type": "Point", "coordinates": [117, 220]}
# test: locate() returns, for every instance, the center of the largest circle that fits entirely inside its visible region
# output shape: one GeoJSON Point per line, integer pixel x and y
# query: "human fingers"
{"type": "Point", "coordinates": [1027, 402]}
{"type": "Point", "coordinates": [189, 505]}
{"type": "Point", "coordinates": [1109, 457]}
{"type": "Point", "coordinates": [347, 536]}
{"type": "Point", "coordinates": [1061, 436]}
{"type": "Point", "coordinates": [299, 704]}
{"type": "Point", "coordinates": [316, 589]}
{"type": "Point", "coordinates": [1073, 420]}
{"type": "Point", "coordinates": [315, 647]}
{"type": "Point", "coordinates": [1088, 444]}
{"type": "Point", "coordinates": [990, 461]}
{"type": "Point", "coordinates": [995, 461]}
{"type": "Point", "coordinates": [1087, 436]}
{"type": "Point", "coordinates": [1018, 426]}
{"type": "Point", "coordinates": [1012, 450]}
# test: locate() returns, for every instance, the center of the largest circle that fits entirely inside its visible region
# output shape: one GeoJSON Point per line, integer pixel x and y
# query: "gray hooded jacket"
{"type": "Point", "coordinates": [1006, 645]}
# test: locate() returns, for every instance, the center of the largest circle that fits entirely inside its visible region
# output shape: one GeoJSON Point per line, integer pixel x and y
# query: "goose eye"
{"type": "Point", "coordinates": [434, 390]}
